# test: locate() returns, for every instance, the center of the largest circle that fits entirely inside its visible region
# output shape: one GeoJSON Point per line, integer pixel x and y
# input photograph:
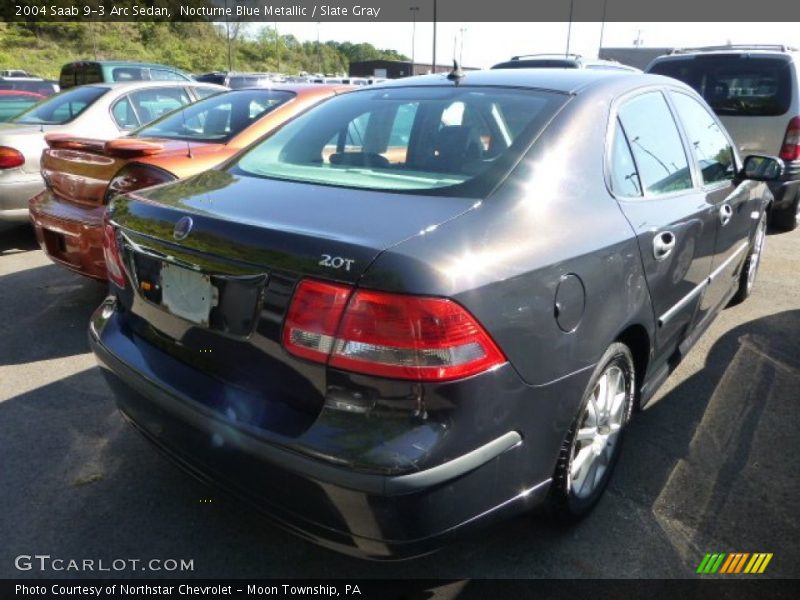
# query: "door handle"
{"type": "Point", "coordinates": [663, 244]}
{"type": "Point", "coordinates": [725, 214]}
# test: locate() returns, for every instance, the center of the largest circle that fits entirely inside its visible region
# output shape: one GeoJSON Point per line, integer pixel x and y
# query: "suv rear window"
{"type": "Point", "coordinates": [735, 85]}
{"type": "Point", "coordinates": [436, 140]}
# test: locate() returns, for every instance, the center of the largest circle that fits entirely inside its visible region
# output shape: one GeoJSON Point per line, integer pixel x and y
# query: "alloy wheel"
{"type": "Point", "coordinates": [598, 433]}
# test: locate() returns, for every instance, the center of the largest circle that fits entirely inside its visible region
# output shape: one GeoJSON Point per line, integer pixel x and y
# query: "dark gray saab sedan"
{"type": "Point", "coordinates": [425, 305]}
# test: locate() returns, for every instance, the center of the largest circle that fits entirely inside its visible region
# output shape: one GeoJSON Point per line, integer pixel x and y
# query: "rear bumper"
{"type": "Point", "coordinates": [367, 514]}
{"type": "Point", "coordinates": [14, 197]}
{"type": "Point", "coordinates": [70, 234]}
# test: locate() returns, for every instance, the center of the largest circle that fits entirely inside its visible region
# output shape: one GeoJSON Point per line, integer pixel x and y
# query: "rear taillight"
{"type": "Point", "coordinates": [10, 158]}
{"type": "Point", "coordinates": [114, 268]}
{"type": "Point", "coordinates": [312, 319]}
{"type": "Point", "coordinates": [388, 335]}
{"type": "Point", "coordinates": [136, 176]}
{"type": "Point", "coordinates": [790, 150]}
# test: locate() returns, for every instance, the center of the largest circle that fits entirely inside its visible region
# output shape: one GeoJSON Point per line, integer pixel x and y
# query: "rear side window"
{"type": "Point", "coordinates": [166, 75]}
{"type": "Point", "coordinates": [656, 144]}
{"type": "Point", "coordinates": [710, 146]}
{"type": "Point", "coordinates": [735, 85]}
{"type": "Point", "coordinates": [123, 114]}
{"type": "Point", "coordinates": [624, 178]}
{"type": "Point", "coordinates": [154, 103]}
{"type": "Point", "coordinates": [129, 74]}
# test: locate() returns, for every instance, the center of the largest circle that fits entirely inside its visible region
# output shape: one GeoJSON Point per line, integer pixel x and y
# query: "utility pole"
{"type": "Point", "coordinates": [433, 67]}
{"type": "Point", "coordinates": [228, 37]}
{"type": "Point", "coordinates": [277, 48]}
{"type": "Point", "coordinates": [413, 10]}
{"type": "Point", "coordinates": [569, 30]}
{"type": "Point", "coordinates": [319, 53]}
{"type": "Point", "coordinates": [602, 28]}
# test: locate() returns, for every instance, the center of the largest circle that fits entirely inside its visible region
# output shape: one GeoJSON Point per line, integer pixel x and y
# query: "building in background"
{"type": "Point", "coordinates": [395, 69]}
{"type": "Point", "coordinates": [638, 57]}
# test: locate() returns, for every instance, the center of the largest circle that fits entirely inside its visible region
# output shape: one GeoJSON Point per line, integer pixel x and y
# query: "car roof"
{"type": "Point", "coordinates": [567, 81]}
{"type": "Point", "coordinates": [123, 85]}
{"type": "Point", "coordinates": [733, 50]}
{"type": "Point", "coordinates": [122, 63]}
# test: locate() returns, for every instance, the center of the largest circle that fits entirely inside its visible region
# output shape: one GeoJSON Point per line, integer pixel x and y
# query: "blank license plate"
{"type": "Point", "coordinates": [187, 294]}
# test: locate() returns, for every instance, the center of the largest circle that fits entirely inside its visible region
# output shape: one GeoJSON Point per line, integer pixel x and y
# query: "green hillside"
{"type": "Point", "coordinates": [194, 47]}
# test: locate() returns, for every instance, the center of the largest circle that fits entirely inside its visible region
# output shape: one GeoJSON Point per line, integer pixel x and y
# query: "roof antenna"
{"type": "Point", "coordinates": [456, 75]}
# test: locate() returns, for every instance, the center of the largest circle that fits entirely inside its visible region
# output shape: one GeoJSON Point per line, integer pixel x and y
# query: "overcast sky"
{"type": "Point", "coordinates": [488, 43]}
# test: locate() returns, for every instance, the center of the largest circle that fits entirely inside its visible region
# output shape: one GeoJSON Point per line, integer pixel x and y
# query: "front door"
{"type": "Point", "coordinates": [734, 208]}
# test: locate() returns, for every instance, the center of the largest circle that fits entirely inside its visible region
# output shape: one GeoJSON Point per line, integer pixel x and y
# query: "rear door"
{"type": "Point", "coordinates": [654, 182]}
{"type": "Point", "coordinates": [716, 162]}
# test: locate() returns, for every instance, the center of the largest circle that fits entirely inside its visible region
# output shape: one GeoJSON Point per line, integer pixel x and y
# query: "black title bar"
{"type": "Point", "coordinates": [399, 10]}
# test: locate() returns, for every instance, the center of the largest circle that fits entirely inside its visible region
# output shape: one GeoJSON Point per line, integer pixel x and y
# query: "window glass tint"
{"type": "Point", "coordinates": [710, 145]}
{"type": "Point", "coordinates": [624, 178]}
{"type": "Point", "coordinates": [13, 104]}
{"type": "Point", "coordinates": [735, 85]}
{"type": "Point", "coordinates": [217, 118]}
{"type": "Point", "coordinates": [62, 107]}
{"type": "Point", "coordinates": [204, 92]}
{"type": "Point", "coordinates": [406, 139]}
{"type": "Point", "coordinates": [91, 73]}
{"type": "Point", "coordinates": [154, 103]}
{"type": "Point", "coordinates": [129, 74]}
{"type": "Point", "coordinates": [165, 75]}
{"type": "Point", "coordinates": [656, 144]}
{"type": "Point", "coordinates": [123, 114]}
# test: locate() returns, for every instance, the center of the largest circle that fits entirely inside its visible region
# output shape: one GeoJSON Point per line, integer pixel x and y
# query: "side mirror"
{"type": "Point", "coordinates": [758, 167]}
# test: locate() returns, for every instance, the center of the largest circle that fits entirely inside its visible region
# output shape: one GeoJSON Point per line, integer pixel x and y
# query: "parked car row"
{"type": "Point", "coordinates": [101, 111]}
{"type": "Point", "coordinates": [386, 315]}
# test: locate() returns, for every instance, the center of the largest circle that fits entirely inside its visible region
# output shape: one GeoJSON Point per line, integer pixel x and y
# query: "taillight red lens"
{"type": "Point", "coordinates": [790, 150]}
{"type": "Point", "coordinates": [315, 312]}
{"type": "Point", "coordinates": [388, 335]}
{"type": "Point", "coordinates": [136, 176]}
{"type": "Point", "coordinates": [10, 158]}
{"type": "Point", "coordinates": [114, 267]}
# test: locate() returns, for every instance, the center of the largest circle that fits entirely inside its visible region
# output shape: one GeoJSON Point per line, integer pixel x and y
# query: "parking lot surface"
{"type": "Point", "coordinates": [712, 466]}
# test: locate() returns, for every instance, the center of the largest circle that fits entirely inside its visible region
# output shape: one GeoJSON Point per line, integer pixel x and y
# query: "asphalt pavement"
{"type": "Point", "coordinates": [712, 466]}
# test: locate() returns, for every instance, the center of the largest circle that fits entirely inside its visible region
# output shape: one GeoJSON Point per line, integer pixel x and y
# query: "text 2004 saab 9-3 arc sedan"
{"type": "Point", "coordinates": [83, 174]}
{"type": "Point", "coordinates": [426, 305]}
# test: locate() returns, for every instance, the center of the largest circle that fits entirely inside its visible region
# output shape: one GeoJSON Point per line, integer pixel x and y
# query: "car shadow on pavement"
{"type": "Point", "coordinates": [47, 310]}
{"type": "Point", "coordinates": [710, 467]}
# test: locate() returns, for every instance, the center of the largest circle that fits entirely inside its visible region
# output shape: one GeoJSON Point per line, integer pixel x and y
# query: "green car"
{"type": "Point", "coordinates": [83, 72]}
{"type": "Point", "coordinates": [13, 102]}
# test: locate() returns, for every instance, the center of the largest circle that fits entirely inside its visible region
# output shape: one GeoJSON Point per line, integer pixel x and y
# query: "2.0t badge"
{"type": "Point", "coordinates": [182, 228]}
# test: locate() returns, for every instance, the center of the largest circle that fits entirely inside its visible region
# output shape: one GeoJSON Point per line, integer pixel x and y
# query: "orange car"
{"type": "Point", "coordinates": [81, 175]}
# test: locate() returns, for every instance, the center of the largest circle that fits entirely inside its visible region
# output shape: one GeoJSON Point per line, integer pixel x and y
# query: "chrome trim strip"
{"type": "Point", "coordinates": [454, 468]}
{"type": "Point", "coordinates": [664, 318]}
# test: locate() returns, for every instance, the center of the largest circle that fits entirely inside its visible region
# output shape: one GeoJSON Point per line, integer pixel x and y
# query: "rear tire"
{"type": "Point", "coordinates": [747, 277]}
{"type": "Point", "coordinates": [592, 444]}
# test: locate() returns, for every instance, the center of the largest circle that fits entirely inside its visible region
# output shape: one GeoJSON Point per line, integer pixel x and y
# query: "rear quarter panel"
{"type": "Point", "coordinates": [504, 259]}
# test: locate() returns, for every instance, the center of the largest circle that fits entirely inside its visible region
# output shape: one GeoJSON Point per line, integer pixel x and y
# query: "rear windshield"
{"type": "Point", "coordinates": [437, 140]}
{"type": "Point", "coordinates": [218, 118]}
{"type": "Point", "coordinates": [61, 108]}
{"type": "Point", "coordinates": [737, 85]}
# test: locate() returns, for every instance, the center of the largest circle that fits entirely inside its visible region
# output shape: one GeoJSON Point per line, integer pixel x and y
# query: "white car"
{"type": "Point", "coordinates": [99, 111]}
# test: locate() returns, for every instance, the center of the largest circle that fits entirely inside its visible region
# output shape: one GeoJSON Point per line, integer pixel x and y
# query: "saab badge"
{"type": "Point", "coordinates": [182, 228]}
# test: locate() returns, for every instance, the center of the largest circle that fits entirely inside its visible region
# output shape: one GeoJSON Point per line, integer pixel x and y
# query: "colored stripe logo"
{"type": "Point", "coordinates": [734, 563]}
